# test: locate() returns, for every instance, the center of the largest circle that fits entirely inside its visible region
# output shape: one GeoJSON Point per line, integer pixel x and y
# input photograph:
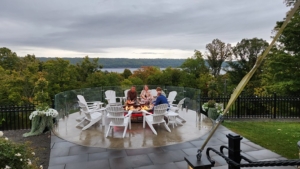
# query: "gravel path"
{"type": "Point", "coordinates": [40, 143]}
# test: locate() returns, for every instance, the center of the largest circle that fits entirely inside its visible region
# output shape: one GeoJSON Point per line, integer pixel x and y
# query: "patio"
{"type": "Point", "coordinates": [72, 147]}
{"type": "Point", "coordinates": [67, 155]}
{"type": "Point", "coordinates": [137, 137]}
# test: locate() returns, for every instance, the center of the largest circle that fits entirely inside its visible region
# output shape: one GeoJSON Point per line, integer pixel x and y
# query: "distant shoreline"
{"type": "Point", "coordinates": [121, 70]}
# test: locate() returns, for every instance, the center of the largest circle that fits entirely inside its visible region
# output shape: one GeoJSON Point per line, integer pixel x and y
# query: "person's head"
{"type": "Point", "coordinates": [146, 87]}
{"type": "Point", "coordinates": [158, 89]}
{"type": "Point", "coordinates": [132, 88]}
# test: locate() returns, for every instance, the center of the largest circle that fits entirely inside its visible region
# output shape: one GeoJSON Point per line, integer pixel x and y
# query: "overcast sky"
{"type": "Point", "coordinates": [132, 28]}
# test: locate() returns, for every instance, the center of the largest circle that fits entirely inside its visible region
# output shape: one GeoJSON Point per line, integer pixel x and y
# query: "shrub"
{"type": "Point", "coordinates": [17, 155]}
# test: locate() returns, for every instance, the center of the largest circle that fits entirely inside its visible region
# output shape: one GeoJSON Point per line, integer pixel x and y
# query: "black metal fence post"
{"type": "Point", "coordinates": [234, 149]}
{"type": "Point", "coordinates": [275, 100]}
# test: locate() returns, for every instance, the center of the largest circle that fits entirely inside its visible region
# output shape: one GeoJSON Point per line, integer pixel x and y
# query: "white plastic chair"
{"type": "Point", "coordinates": [157, 117]}
{"type": "Point", "coordinates": [111, 98]}
{"type": "Point", "coordinates": [125, 95]}
{"type": "Point", "coordinates": [176, 109]}
{"type": "Point", "coordinates": [93, 105]}
{"type": "Point", "coordinates": [91, 115]}
{"type": "Point", "coordinates": [116, 115]}
{"type": "Point", "coordinates": [171, 97]}
{"type": "Point", "coordinates": [153, 92]}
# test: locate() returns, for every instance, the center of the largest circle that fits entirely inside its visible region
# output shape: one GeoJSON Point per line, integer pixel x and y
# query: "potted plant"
{"type": "Point", "coordinates": [42, 118]}
{"type": "Point", "coordinates": [212, 108]}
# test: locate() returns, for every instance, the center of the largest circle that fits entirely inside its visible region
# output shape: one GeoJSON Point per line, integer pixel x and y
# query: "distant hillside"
{"type": "Point", "coordinates": [130, 63]}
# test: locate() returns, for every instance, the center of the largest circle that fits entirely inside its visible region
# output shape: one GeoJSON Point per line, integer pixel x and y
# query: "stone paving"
{"type": "Point", "coordinates": [66, 155]}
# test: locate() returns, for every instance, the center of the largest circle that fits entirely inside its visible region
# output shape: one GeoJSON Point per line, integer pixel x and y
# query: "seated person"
{"type": "Point", "coordinates": [161, 99]}
{"type": "Point", "coordinates": [131, 96]}
{"type": "Point", "coordinates": [146, 96]}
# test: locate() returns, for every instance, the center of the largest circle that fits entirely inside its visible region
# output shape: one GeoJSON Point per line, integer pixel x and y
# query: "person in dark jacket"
{"type": "Point", "coordinates": [132, 95]}
{"type": "Point", "coordinates": [161, 99]}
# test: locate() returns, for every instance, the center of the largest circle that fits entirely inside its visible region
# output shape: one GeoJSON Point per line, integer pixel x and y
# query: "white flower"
{"type": "Point", "coordinates": [29, 163]}
{"type": "Point", "coordinates": [21, 159]}
{"type": "Point", "coordinates": [6, 138]}
{"type": "Point", "coordinates": [33, 153]}
{"type": "Point", "coordinates": [18, 155]}
{"type": "Point", "coordinates": [1, 133]}
{"type": "Point", "coordinates": [7, 167]}
{"type": "Point", "coordinates": [48, 112]}
{"type": "Point", "coordinates": [41, 167]}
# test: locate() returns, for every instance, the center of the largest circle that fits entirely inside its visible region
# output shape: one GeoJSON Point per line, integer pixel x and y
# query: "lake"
{"type": "Point", "coordinates": [121, 70]}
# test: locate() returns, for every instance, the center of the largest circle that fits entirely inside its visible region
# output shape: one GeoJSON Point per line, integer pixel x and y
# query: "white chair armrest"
{"type": "Point", "coordinates": [145, 112]}
{"type": "Point", "coordinates": [129, 113]}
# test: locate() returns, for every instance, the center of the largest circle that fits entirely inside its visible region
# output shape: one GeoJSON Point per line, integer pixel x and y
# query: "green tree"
{"type": "Point", "coordinates": [60, 75]}
{"type": "Point", "coordinates": [195, 64]}
{"type": "Point", "coordinates": [281, 73]}
{"type": "Point", "coordinates": [114, 79]}
{"type": "Point", "coordinates": [218, 52]}
{"type": "Point", "coordinates": [96, 79]}
{"type": "Point", "coordinates": [87, 67]}
{"type": "Point", "coordinates": [126, 73]}
{"type": "Point", "coordinates": [290, 37]}
{"type": "Point", "coordinates": [8, 59]}
{"type": "Point", "coordinates": [144, 72]}
{"type": "Point", "coordinates": [29, 70]}
{"type": "Point", "coordinates": [245, 54]}
{"type": "Point", "coordinates": [136, 81]}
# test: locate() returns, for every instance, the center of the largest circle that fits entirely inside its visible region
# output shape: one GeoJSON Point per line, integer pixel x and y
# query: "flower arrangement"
{"type": "Point", "coordinates": [17, 155]}
{"type": "Point", "coordinates": [42, 118]}
{"type": "Point", "coordinates": [218, 106]}
{"type": "Point", "coordinates": [47, 112]}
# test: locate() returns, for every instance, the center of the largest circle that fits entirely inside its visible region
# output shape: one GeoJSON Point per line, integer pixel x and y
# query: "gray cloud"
{"type": "Point", "coordinates": [93, 26]}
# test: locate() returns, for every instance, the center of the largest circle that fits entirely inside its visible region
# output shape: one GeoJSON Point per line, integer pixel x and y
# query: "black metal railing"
{"type": "Point", "coordinates": [272, 106]}
{"type": "Point", "coordinates": [16, 117]}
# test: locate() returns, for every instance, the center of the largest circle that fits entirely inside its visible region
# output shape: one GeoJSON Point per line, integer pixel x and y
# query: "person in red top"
{"type": "Point", "coordinates": [132, 95]}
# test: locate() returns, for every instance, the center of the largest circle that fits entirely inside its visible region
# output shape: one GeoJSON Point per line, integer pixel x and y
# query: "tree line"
{"type": "Point", "coordinates": [279, 73]}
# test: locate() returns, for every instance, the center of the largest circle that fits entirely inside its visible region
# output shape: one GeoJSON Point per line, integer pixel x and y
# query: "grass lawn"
{"type": "Point", "coordinates": [279, 137]}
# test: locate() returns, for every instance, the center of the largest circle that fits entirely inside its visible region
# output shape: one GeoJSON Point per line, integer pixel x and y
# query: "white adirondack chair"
{"type": "Point", "coordinates": [116, 115]}
{"type": "Point", "coordinates": [91, 115]}
{"type": "Point", "coordinates": [125, 95]}
{"type": "Point", "coordinates": [157, 117]}
{"type": "Point", "coordinates": [171, 97]}
{"type": "Point", "coordinates": [153, 92]}
{"type": "Point", "coordinates": [95, 105]}
{"type": "Point", "coordinates": [176, 109]}
{"type": "Point", "coordinates": [111, 98]}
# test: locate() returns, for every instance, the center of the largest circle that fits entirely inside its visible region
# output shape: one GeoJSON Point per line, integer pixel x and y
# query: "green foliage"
{"type": "Point", "coordinates": [218, 52]}
{"type": "Point", "coordinates": [246, 53]}
{"type": "Point", "coordinates": [135, 81]}
{"type": "Point", "coordinates": [195, 65]}
{"type": "Point", "coordinates": [87, 67]}
{"type": "Point", "coordinates": [211, 103]}
{"type": "Point", "coordinates": [281, 73]}
{"type": "Point", "coordinates": [126, 73]}
{"type": "Point", "coordinates": [8, 59]}
{"type": "Point", "coordinates": [212, 89]}
{"type": "Point", "coordinates": [1, 120]}
{"type": "Point", "coordinates": [17, 155]}
{"type": "Point", "coordinates": [61, 76]}
{"type": "Point", "coordinates": [290, 37]}
{"type": "Point", "coordinates": [41, 94]}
